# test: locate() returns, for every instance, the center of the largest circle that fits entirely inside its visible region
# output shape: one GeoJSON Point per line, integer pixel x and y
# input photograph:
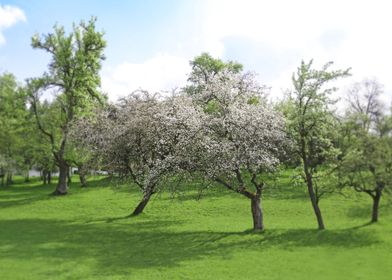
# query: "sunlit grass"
{"type": "Point", "coordinates": [84, 235]}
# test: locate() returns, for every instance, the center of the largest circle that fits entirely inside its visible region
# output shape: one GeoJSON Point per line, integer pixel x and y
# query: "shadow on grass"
{"type": "Point", "coordinates": [34, 191]}
{"type": "Point", "coordinates": [16, 195]}
{"type": "Point", "coordinates": [365, 210]}
{"type": "Point", "coordinates": [119, 247]}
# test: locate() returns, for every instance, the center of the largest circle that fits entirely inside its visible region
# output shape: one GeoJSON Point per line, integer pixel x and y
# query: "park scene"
{"type": "Point", "coordinates": [178, 140]}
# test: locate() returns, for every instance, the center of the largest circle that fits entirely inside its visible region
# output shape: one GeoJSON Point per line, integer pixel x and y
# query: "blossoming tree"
{"type": "Point", "coordinates": [243, 137]}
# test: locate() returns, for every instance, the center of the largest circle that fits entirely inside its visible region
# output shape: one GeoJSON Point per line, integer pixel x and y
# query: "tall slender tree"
{"type": "Point", "coordinates": [74, 77]}
{"type": "Point", "coordinates": [311, 124]}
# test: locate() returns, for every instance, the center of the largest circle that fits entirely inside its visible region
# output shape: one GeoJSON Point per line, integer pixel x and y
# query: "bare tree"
{"type": "Point", "coordinates": [364, 102]}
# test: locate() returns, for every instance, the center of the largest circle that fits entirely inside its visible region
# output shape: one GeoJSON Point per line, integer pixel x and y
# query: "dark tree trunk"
{"type": "Point", "coordinates": [27, 176]}
{"type": "Point", "coordinates": [83, 181]}
{"type": "Point", "coordinates": [69, 175]}
{"type": "Point", "coordinates": [143, 203]}
{"type": "Point", "coordinates": [49, 177]}
{"type": "Point", "coordinates": [257, 214]}
{"type": "Point", "coordinates": [376, 204]}
{"type": "Point", "coordinates": [44, 178]}
{"type": "Point", "coordinates": [82, 176]}
{"type": "Point", "coordinates": [62, 185]}
{"type": "Point", "coordinates": [314, 201]}
{"type": "Point", "coordinates": [9, 179]}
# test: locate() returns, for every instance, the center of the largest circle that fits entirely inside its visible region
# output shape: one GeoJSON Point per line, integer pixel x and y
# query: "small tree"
{"type": "Point", "coordinates": [74, 75]}
{"type": "Point", "coordinates": [367, 167]}
{"type": "Point", "coordinates": [242, 137]}
{"type": "Point", "coordinates": [366, 164]}
{"type": "Point", "coordinates": [311, 125]}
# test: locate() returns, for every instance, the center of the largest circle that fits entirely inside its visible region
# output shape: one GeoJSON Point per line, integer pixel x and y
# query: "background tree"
{"type": "Point", "coordinates": [366, 142]}
{"type": "Point", "coordinates": [312, 124]}
{"type": "Point", "coordinates": [204, 67]}
{"type": "Point", "coordinates": [364, 102]}
{"type": "Point", "coordinates": [74, 76]}
{"type": "Point", "coordinates": [12, 123]}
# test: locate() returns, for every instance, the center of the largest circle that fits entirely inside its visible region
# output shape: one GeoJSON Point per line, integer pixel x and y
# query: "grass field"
{"type": "Point", "coordinates": [84, 235]}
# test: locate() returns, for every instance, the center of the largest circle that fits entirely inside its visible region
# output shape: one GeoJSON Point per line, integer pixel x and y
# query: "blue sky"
{"type": "Point", "coordinates": [151, 42]}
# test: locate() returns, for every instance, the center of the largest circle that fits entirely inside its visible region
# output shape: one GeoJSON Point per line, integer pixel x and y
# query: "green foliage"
{"type": "Point", "coordinates": [310, 119]}
{"type": "Point", "coordinates": [74, 68]}
{"type": "Point", "coordinates": [366, 163]}
{"type": "Point", "coordinates": [13, 118]}
{"type": "Point", "coordinates": [74, 74]}
{"type": "Point", "coordinates": [204, 67]}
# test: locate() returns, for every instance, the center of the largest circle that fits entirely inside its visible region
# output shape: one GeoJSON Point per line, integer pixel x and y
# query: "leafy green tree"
{"type": "Point", "coordinates": [205, 67]}
{"type": "Point", "coordinates": [366, 142]}
{"type": "Point", "coordinates": [74, 75]}
{"type": "Point", "coordinates": [12, 118]}
{"type": "Point", "coordinates": [311, 124]}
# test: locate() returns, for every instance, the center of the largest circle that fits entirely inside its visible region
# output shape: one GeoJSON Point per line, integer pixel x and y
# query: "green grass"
{"type": "Point", "coordinates": [84, 235]}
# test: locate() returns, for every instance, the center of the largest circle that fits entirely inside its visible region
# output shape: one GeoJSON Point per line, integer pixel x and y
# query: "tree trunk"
{"type": "Point", "coordinates": [69, 175]}
{"type": "Point", "coordinates": [313, 199]}
{"type": "Point", "coordinates": [44, 172]}
{"type": "Point", "coordinates": [83, 181]}
{"type": "Point", "coordinates": [82, 176]}
{"type": "Point", "coordinates": [376, 203]}
{"type": "Point", "coordinates": [9, 179]}
{"type": "Point", "coordinates": [143, 203]}
{"type": "Point", "coordinates": [257, 214]}
{"type": "Point", "coordinates": [62, 186]}
{"type": "Point", "coordinates": [27, 176]}
{"type": "Point", "coordinates": [49, 177]}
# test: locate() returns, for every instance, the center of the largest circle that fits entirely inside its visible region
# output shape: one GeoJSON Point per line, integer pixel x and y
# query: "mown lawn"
{"type": "Point", "coordinates": [84, 235]}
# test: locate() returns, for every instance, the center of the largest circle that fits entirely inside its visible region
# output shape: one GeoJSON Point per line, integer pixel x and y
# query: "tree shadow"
{"type": "Point", "coordinates": [27, 193]}
{"type": "Point", "coordinates": [346, 238]}
{"type": "Point", "coordinates": [122, 245]}
{"type": "Point", "coordinates": [365, 210]}
{"type": "Point", "coordinates": [20, 195]}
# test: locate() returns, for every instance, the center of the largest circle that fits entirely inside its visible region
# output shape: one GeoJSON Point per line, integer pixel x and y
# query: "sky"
{"type": "Point", "coordinates": [150, 43]}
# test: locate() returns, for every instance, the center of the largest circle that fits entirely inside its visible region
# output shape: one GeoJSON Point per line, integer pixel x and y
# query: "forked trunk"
{"type": "Point", "coordinates": [143, 203]}
{"type": "Point", "coordinates": [62, 185]}
{"type": "Point", "coordinates": [257, 214]}
{"type": "Point", "coordinates": [376, 204]}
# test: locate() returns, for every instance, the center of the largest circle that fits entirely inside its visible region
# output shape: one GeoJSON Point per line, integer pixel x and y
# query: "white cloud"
{"type": "Point", "coordinates": [9, 15]}
{"type": "Point", "coordinates": [161, 72]}
{"type": "Point", "coordinates": [352, 33]}
{"type": "Point", "coordinates": [274, 36]}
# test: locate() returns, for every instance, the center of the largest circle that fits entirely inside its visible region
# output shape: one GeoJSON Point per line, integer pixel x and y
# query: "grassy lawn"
{"type": "Point", "coordinates": [84, 235]}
